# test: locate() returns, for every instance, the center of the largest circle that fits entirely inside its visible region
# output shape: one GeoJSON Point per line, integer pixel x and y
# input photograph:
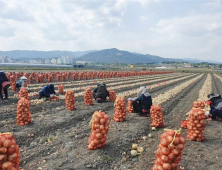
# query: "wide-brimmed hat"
{"type": "Point", "coordinates": [212, 95]}
{"type": "Point", "coordinates": [23, 78]}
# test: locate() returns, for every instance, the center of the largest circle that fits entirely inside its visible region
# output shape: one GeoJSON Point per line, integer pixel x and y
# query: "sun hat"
{"type": "Point", "coordinates": [212, 95]}
{"type": "Point", "coordinates": [23, 78]}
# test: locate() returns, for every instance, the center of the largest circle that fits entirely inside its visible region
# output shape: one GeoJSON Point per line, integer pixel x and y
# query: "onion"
{"type": "Point", "coordinates": [140, 149]}
{"type": "Point", "coordinates": [133, 153]}
{"type": "Point", "coordinates": [134, 146]}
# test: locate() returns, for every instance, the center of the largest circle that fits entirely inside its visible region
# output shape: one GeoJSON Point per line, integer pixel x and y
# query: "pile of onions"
{"type": "Point", "coordinates": [60, 89]}
{"type": "Point", "coordinates": [23, 93]}
{"type": "Point", "coordinates": [169, 152]}
{"type": "Point", "coordinates": [70, 100]}
{"type": "Point", "coordinates": [196, 125]}
{"type": "Point", "coordinates": [54, 98]}
{"type": "Point", "coordinates": [130, 106]}
{"type": "Point", "coordinates": [120, 109]}
{"type": "Point", "coordinates": [9, 152]}
{"type": "Point", "coordinates": [100, 127]}
{"type": "Point", "coordinates": [198, 104]}
{"type": "Point", "coordinates": [112, 96]}
{"type": "Point", "coordinates": [24, 116]}
{"type": "Point", "coordinates": [157, 116]}
{"type": "Point", "coordinates": [88, 96]}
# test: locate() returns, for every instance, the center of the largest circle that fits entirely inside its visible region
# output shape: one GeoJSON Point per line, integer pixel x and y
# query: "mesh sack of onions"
{"type": "Point", "coordinates": [70, 100]}
{"type": "Point", "coordinates": [196, 125]}
{"type": "Point", "coordinates": [169, 152]}
{"type": "Point", "coordinates": [130, 106]}
{"type": "Point", "coordinates": [112, 96]}
{"type": "Point", "coordinates": [184, 124]}
{"type": "Point", "coordinates": [60, 89]}
{"type": "Point", "coordinates": [88, 96]}
{"type": "Point", "coordinates": [100, 127]}
{"type": "Point", "coordinates": [24, 116]}
{"type": "Point", "coordinates": [120, 109]}
{"type": "Point", "coordinates": [9, 152]}
{"type": "Point", "coordinates": [202, 105]}
{"type": "Point", "coordinates": [13, 83]}
{"type": "Point", "coordinates": [23, 93]}
{"type": "Point", "coordinates": [157, 116]}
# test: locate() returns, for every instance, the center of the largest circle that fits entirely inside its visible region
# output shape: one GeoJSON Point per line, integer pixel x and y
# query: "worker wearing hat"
{"type": "Point", "coordinates": [21, 83]}
{"type": "Point", "coordinates": [215, 105]}
{"type": "Point", "coordinates": [100, 93]}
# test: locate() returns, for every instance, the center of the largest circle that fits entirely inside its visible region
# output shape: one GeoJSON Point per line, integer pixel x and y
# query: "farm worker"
{"type": "Point", "coordinates": [143, 102]}
{"type": "Point", "coordinates": [100, 93]}
{"type": "Point", "coordinates": [47, 91]}
{"type": "Point", "coordinates": [21, 83]}
{"type": "Point", "coordinates": [4, 85]}
{"type": "Point", "coordinates": [215, 106]}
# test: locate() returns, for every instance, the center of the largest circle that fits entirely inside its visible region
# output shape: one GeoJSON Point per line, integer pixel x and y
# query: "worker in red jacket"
{"type": "Point", "coordinates": [4, 85]}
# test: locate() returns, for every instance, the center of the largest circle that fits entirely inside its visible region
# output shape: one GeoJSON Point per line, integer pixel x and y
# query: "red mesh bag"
{"type": "Point", "coordinates": [100, 127]}
{"type": "Point", "coordinates": [9, 152]}
{"type": "Point", "coordinates": [70, 100]}
{"type": "Point", "coordinates": [169, 152]}
{"type": "Point", "coordinates": [120, 109]}
{"type": "Point", "coordinates": [157, 116]}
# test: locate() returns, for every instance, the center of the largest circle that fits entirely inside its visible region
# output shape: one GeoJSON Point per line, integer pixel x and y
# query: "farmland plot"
{"type": "Point", "coordinates": [57, 138]}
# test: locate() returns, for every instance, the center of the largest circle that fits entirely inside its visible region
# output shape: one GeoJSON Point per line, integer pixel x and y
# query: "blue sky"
{"type": "Point", "coordinates": [167, 28]}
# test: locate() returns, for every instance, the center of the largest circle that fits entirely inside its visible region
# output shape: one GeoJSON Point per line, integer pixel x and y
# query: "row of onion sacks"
{"type": "Point", "coordinates": [88, 96]}
{"type": "Point", "coordinates": [100, 126]}
{"type": "Point", "coordinates": [70, 100]}
{"type": "Point", "coordinates": [120, 109]}
{"type": "Point", "coordinates": [157, 116]}
{"type": "Point", "coordinates": [169, 152]}
{"type": "Point", "coordinates": [9, 152]}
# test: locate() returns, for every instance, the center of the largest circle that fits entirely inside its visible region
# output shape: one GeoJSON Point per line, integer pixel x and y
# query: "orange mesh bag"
{"type": "Point", "coordinates": [120, 109]}
{"type": "Point", "coordinates": [130, 106]}
{"type": "Point", "coordinates": [9, 152]}
{"type": "Point", "coordinates": [60, 89]}
{"type": "Point", "coordinates": [24, 116]}
{"type": "Point", "coordinates": [70, 100]}
{"type": "Point", "coordinates": [100, 127]}
{"type": "Point", "coordinates": [88, 96]}
{"type": "Point", "coordinates": [157, 116]}
{"type": "Point", "coordinates": [169, 152]}
{"type": "Point", "coordinates": [196, 125]}
{"type": "Point", "coordinates": [112, 96]}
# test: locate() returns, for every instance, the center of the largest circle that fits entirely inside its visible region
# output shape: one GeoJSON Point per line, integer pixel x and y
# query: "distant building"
{"type": "Point", "coordinates": [5, 59]}
{"type": "Point", "coordinates": [67, 60]}
{"type": "Point", "coordinates": [59, 61]}
{"type": "Point", "coordinates": [53, 61]}
{"type": "Point", "coordinates": [47, 61]}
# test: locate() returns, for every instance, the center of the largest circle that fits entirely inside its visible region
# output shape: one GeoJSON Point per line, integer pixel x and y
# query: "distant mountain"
{"type": "Point", "coordinates": [116, 56]}
{"type": "Point", "coordinates": [26, 54]}
{"type": "Point", "coordinates": [193, 60]}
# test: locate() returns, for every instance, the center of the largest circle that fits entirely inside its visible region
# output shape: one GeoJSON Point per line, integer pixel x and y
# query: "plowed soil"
{"type": "Point", "coordinates": [57, 139]}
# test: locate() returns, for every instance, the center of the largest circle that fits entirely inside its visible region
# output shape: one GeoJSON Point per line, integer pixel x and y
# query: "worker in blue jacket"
{"type": "Point", "coordinates": [143, 102]}
{"type": "Point", "coordinates": [47, 91]}
{"type": "Point", "coordinates": [215, 106]}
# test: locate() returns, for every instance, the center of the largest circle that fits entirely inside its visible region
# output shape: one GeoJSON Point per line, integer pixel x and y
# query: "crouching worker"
{"type": "Point", "coordinates": [143, 102]}
{"type": "Point", "coordinates": [23, 82]}
{"type": "Point", "coordinates": [100, 93]}
{"type": "Point", "coordinates": [215, 106]}
{"type": "Point", "coordinates": [4, 85]}
{"type": "Point", "coordinates": [47, 91]}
